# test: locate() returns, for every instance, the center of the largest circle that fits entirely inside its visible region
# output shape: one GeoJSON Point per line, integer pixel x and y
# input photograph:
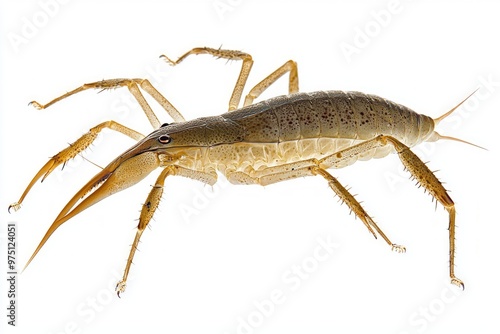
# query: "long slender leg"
{"type": "Point", "coordinates": [293, 81]}
{"type": "Point", "coordinates": [430, 182]}
{"type": "Point", "coordinates": [308, 168]}
{"type": "Point", "coordinates": [355, 206]}
{"type": "Point", "coordinates": [147, 212]}
{"type": "Point", "coordinates": [247, 62]}
{"type": "Point", "coordinates": [413, 164]}
{"type": "Point", "coordinates": [246, 66]}
{"type": "Point", "coordinates": [169, 108]}
{"type": "Point", "coordinates": [72, 150]}
{"type": "Point", "coordinates": [151, 204]}
{"type": "Point", "coordinates": [133, 86]}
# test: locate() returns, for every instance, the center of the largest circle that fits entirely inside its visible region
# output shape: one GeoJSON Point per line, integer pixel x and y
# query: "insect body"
{"type": "Point", "coordinates": [296, 135]}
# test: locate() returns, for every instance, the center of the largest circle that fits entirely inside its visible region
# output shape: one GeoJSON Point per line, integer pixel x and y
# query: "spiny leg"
{"type": "Point", "coordinates": [133, 86]}
{"type": "Point", "coordinates": [151, 204]}
{"type": "Point", "coordinates": [430, 182]}
{"type": "Point", "coordinates": [355, 206]}
{"type": "Point", "coordinates": [418, 170]}
{"type": "Point", "coordinates": [413, 164]}
{"type": "Point", "coordinates": [72, 150]}
{"type": "Point", "coordinates": [310, 167]}
{"type": "Point", "coordinates": [247, 62]}
{"type": "Point", "coordinates": [147, 212]}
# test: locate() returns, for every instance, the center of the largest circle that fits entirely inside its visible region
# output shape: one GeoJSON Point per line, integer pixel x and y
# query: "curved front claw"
{"type": "Point", "coordinates": [120, 287]}
{"type": "Point", "coordinates": [36, 105]}
{"type": "Point", "coordinates": [16, 206]}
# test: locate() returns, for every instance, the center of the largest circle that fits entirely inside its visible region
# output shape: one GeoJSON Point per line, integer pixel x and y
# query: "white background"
{"type": "Point", "coordinates": [207, 272]}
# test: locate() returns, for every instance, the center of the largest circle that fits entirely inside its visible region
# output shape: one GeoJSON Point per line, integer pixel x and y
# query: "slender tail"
{"type": "Point", "coordinates": [436, 136]}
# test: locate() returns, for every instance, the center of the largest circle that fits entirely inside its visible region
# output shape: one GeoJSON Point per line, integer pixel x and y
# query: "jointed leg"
{"type": "Point", "coordinates": [429, 181]}
{"type": "Point", "coordinates": [246, 66]}
{"type": "Point", "coordinates": [133, 86]}
{"type": "Point", "coordinates": [355, 206]}
{"type": "Point", "coordinates": [413, 164]}
{"type": "Point", "coordinates": [309, 168]}
{"type": "Point", "coordinates": [151, 204]}
{"type": "Point", "coordinates": [147, 212]}
{"type": "Point", "coordinates": [293, 81]}
{"type": "Point", "coordinates": [419, 171]}
{"type": "Point", "coordinates": [72, 150]}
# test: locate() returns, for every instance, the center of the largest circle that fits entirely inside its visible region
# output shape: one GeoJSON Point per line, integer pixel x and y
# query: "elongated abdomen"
{"type": "Point", "coordinates": [330, 114]}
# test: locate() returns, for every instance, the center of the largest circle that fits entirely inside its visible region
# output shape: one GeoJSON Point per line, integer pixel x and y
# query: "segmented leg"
{"type": "Point", "coordinates": [430, 182]}
{"type": "Point", "coordinates": [246, 66]}
{"type": "Point", "coordinates": [147, 212]}
{"type": "Point", "coordinates": [72, 150]}
{"type": "Point", "coordinates": [133, 86]}
{"type": "Point", "coordinates": [412, 163]}
{"type": "Point", "coordinates": [150, 206]}
{"type": "Point", "coordinates": [247, 62]}
{"type": "Point", "coordinates": [308, 168]}
{"type": "Point", "coordinates": [355, 206]}
{"type": "Point", "coordinates": [84, 141]}
{"type": "Point", "coordinates": [293, 81]}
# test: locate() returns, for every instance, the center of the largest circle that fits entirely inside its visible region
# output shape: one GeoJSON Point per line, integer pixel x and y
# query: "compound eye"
{"type": "Point", "coordinates": [164, 139]}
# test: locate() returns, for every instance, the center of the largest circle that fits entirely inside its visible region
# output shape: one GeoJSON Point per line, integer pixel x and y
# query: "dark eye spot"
{"type": "Point", "coordinates": [164, 139]}
{"type": "Point", "coordinates": [164, 124]}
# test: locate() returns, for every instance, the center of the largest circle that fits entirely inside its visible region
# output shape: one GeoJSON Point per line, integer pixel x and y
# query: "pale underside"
{"type": "Point", "coordinates": [250, 157]}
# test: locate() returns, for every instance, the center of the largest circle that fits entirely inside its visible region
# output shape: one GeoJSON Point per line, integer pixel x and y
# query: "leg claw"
{"type": "Point", "coordinates": [16, 206]}
{"type": "Point", "coordinates": [398, 248]}
{"type": "Point", "coordinates": [458, 282]}
{"type": "Point", "coordinates": [120, 287]}
{"type": "Point", "coordinates": [36, 105]}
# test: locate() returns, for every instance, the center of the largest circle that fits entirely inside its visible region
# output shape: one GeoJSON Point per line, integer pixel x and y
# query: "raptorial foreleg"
{"type": "Point", "coordinates": [72, 150]}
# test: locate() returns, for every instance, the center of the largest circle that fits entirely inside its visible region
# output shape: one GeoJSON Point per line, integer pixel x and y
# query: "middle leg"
{"type": "Point", "coordinates": [247, 62]}
{"type": "Point", "coordinates": [310, 167]}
